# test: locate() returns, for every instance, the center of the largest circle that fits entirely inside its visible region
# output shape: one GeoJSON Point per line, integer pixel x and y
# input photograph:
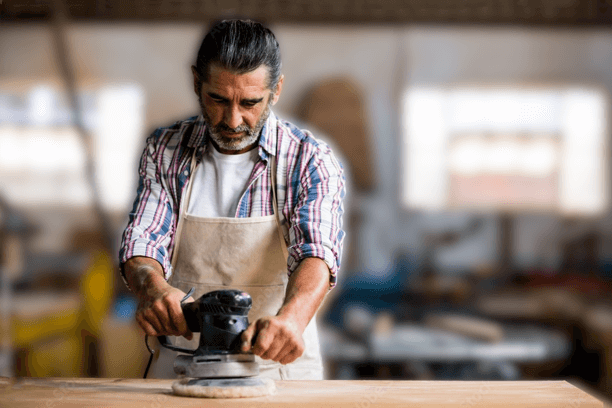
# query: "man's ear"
{"type": "Point", "coordinates": [197, 83]}
{"type": "Point", "coordinates": [278, 90]}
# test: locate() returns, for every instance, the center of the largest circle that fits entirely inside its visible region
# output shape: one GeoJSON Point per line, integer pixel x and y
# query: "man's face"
{"type": "Point", "coordinates": [235, 106]}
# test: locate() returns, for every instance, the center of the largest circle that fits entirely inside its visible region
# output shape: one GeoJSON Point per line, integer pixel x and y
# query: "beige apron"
{"type": "Point", "coordinates": [248, 254]}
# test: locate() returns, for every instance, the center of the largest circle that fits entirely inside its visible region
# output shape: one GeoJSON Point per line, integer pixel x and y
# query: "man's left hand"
{"type": "Point", "coordinates": [279, 338]}
{"type": "Point", "coordinates": [276, 338]}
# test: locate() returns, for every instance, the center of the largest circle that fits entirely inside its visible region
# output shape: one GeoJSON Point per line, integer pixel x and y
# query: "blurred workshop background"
{"type": "Point", "coordinates": [476, 136]}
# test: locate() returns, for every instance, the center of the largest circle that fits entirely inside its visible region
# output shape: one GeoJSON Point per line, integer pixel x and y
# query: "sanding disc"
{"type": "Point", "coordinates": [224, 388]}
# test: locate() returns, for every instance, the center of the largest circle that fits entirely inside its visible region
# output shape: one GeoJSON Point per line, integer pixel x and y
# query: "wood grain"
{"type": "Point", "coordinates": [45, 392]}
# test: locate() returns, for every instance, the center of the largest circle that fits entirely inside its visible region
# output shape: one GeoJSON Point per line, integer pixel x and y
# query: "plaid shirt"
{"type": "Point", "coordinates": [310, 190]}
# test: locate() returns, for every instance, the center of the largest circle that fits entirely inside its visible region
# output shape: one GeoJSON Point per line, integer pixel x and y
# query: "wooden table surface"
{"type": "Point", "coordinates": [58, 392]}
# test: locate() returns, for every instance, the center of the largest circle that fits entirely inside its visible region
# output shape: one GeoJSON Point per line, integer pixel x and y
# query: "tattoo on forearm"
{"type": "Point", "coordinates": [141, 275]}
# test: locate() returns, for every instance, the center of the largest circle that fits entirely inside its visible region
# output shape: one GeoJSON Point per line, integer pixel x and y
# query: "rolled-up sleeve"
{"type": "Point", "coordinates": [151, 222]}
{"type": "Point", "coordinates": [316, 222]}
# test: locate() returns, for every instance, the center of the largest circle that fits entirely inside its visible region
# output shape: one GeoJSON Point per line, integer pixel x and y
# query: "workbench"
{"type": "Point", "coordinates": [58, 392]}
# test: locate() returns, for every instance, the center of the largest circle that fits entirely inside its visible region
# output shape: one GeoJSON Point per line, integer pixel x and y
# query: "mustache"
{"type": "Point", "coordinates": [223, 127]}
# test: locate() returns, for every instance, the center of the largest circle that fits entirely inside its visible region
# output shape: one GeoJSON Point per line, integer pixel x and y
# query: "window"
{"type": "Point", "coordinates": [42, 159]}
{"type": "Point", "coordinates": [506, 148]}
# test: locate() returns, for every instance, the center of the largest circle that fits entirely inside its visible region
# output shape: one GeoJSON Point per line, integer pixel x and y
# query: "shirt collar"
{"type": "Point", "coordinates": [198, 135]}
{"type": "Point", "coordinates": [267, 141]}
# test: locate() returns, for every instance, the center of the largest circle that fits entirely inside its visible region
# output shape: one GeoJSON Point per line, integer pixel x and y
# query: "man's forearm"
{"type": "Point", "coordinates": [306, 289]}
{"type": "Point", "coordinates": [279, 338]}
{"type": "Point", "coordinates": [159, 304]}
{"type": "Point", "coordinates": [143, 273]}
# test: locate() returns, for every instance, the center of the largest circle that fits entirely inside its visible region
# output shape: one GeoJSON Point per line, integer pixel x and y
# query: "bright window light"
{"type": "Point", "coordinates": [42, 158]}
{"type": "Point", "coordinates": [467, 156]}
{"type": "Point", "coordinates": [13, 156]}
{"type": "Point", "coordinates": [425, 154]}
{"type": "Point", "coordinates": [494, 148]}
{"type": "Point", "coordinates": [42, 105]}
{"type": "Point", "coordinates": [539, 158]}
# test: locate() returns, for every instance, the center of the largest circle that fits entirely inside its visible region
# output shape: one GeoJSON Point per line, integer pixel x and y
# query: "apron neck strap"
{"type": "Point", "coordinates": [182, 209]}
{"type": "Point", "coordinates": [277, 214]}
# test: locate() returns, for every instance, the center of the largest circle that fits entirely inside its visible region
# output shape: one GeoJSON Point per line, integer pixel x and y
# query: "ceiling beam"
{"type": "Point", "coordinates": [495, 12]}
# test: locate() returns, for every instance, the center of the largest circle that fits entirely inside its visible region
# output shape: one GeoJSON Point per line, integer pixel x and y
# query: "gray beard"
{"type": "Point", "coordinates": [238, 144]}
{"type": "Point", "coordinates": [235, 144]}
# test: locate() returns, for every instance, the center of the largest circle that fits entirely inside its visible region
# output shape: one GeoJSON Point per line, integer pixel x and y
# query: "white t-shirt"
{"type": "Point", "coordinates": [219, 182]}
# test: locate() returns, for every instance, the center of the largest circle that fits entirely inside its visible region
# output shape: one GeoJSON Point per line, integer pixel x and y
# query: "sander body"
{"type": "Point", "coordinates": [220, 317]}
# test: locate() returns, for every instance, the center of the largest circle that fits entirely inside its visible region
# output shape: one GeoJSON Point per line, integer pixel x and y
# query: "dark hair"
{"type": "Point", "coordinates": [240, 46]}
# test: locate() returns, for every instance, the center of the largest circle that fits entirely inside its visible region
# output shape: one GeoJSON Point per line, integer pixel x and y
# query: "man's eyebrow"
{"type": "Point", "coordinates": [249, 100]}
{"type": "Point", "coordinates": [215, 96]}
{"type": "Point", "coordinates": [252, 100]}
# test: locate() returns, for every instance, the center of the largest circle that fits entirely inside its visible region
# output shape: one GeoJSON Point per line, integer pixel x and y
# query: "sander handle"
{"type": "Point", "coordinates": [190, 313]}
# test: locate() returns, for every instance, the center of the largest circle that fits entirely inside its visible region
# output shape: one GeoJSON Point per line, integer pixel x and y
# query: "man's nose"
{"type": "Point", "coordinates": [233, 118]}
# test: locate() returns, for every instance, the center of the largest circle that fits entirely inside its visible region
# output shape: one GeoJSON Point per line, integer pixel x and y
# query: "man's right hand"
{"type": "Point", "coordinates": [159, 304]}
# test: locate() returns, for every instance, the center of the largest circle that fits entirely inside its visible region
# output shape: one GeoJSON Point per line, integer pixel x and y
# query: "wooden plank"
{"type": "Point", "coordinates": [32, 392]}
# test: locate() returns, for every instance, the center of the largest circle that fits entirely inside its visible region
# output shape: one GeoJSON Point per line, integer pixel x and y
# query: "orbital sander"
{"type": "Point", "coordinates": [217, 368]}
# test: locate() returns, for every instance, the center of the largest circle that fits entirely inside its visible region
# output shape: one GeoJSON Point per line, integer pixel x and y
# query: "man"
{"type": "Point", "coordinates": [237, 198]}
